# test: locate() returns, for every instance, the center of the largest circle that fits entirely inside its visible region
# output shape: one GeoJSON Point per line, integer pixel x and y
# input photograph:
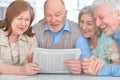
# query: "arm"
{"type": "Point", "coordinates": [75, 65]}
{"type": "Point", "coordinates": [29, 56]}
{"type": "Point", "coordinates": [113, 53]}
{"type": "Point", "coordinates": [83, 45]}
{"type": "Point", "coordinates": [27, 69]}
{"type": "Point", "coordinates": [110, 70]}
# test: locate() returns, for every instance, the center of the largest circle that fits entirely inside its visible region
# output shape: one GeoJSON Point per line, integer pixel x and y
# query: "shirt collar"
{"type": "Point", "coordinates": [65, 28]}
{"type": "Point", "coordinates": [117, 35]}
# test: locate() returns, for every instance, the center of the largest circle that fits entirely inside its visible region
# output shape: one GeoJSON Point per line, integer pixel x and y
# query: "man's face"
{"type": "Point", "coordinates": [55, 16]}
{"type": "Point", "coordinates": [106, 19]}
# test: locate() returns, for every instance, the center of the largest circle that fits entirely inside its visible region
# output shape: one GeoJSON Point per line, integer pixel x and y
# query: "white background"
{"type": "Point", "coordinates": [73, 7]}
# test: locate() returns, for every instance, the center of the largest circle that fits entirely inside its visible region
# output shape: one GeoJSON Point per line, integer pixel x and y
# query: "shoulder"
{"type": "Point", "coordinates": [37, 26]}
{"type": "Point", "coordinates": [3, 37]}
{"type": "Point", "coordinates": [3, 33]}
{"type": "Point", "coordinates": [27, 39]}
{"type": "Point", "coordinates": [105, 39]}
{"type": "Point", "coordinates": [71, 23]}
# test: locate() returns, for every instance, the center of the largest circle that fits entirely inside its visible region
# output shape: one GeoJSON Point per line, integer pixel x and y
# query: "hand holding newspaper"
{"type": "Point", "coordinates": [52, 60]}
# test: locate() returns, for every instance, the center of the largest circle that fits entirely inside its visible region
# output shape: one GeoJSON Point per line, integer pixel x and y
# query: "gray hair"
{"type": "Point", "coordinates": [114, 5]}
{"type": "Point", "coordinates": [60, 0]}
{"type": "Point", "coordinates": [86, 10]}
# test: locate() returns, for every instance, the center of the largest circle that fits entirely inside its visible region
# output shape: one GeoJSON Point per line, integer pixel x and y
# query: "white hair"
{"type": "Point", "coordinates": [114, 5]}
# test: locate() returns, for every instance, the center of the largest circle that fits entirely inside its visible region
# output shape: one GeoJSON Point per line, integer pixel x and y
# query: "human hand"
{"type": "Point", "coordinates": [92, 65]}
{"type": "Point", "coordinates": [30, 69]}
{"type": "Point", "coordinates": [74, 66]}
{"type": "Point", "coordinates": [29, 58]}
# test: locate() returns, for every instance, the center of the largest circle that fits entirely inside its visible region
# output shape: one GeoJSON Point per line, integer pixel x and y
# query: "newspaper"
{"type": "Point", "coordinates": [52, 60]}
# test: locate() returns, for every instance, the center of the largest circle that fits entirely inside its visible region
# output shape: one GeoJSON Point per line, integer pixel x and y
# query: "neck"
{"type": "Point", "coordinates": [93, 41]}
{"type": "Point", "coordinates": [13, 38]}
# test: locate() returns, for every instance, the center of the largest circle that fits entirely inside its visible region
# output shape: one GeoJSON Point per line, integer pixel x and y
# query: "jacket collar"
{"type": "Point", "coordinates": [4, 38]}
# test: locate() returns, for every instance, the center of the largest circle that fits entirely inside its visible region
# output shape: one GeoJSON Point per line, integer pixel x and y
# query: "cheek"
{"type": "Point", "coordinates": [26, 28]}
{"type": "Point", "coordinates": [62, 19]}
{"type": "Point", "coordinates": [92, 29]}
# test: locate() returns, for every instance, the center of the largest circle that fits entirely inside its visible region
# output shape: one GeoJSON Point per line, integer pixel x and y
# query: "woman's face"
{"type": "Point", "coordinates": [87, 25]}
{"type": "Point", "coordinates": [21, 23]}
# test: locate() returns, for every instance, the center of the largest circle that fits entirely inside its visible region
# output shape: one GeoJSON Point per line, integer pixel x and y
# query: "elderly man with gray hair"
{"type": "Point", "coordinates": [107, 14]}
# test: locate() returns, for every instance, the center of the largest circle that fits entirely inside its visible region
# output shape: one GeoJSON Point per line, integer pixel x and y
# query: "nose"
{"type": "Point", "coordinates": [83, 26]}
{"type": "Point", "coordinates": [98, 22]}
{"type": "Point", "coordinates": [53, 19]}
{"type": "Point", "coordinates": [23, 22]}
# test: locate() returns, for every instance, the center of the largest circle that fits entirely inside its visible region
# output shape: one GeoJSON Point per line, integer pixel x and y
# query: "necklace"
{"type": "Point", "coordinates": [14, 61]}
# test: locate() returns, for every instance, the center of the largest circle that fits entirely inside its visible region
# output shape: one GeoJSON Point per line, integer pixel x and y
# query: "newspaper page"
{"type": "Point", "coordinates": [52, 60]}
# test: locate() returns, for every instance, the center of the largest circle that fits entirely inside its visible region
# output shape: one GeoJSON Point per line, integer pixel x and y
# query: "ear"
{"type": "Point", "coordinates": [66, 12]}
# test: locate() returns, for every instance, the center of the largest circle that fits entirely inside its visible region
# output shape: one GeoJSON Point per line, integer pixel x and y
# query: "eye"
{"type": "Point", "coordinates": [89, 23]}
{"type": "Point", "coordinates": [27, 19]}
{"type": "Point", "coordinates": [19, 18]}
{"type": "Point", "coordinates": [81, 21]}
{"type": "Point", "coordinates": [58, 14]}
{"type": "Point", "coordinates": [48, 15]}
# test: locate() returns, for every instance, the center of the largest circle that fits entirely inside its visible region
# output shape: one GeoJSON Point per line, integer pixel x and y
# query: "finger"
{"type": "Point", "coordinates": [97, 66]}
{"type": "Point", "coordinates": [76, 68]}
{"type": "Point", "coordinates": [94, 64]}
{"type": "Point", "coordinates": [89, 68]}
{"type": "Point", "coordinates": [35, 69]}
{"type": "Point", "coordinates": [75, 72]}
{"type": "Point", "coordinates": [71, 63]}
{"type": "Point", "coordinates": [33, 72]}
{"type": "Point", "coordinates": [100, 64]}
{"type": "Point", "coordinates": [85, 71]}
{"type": "Point", "coordinates": [93, 58]}
{"type": "Point", "coordinates": [85, 60]}
{"type": "Point", "coordinates": [85, 65]}
{"type": "Point", "coordinates": [33, 65]}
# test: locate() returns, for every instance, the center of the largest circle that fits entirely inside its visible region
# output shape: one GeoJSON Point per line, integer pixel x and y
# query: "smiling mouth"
{"type": "Point", "coordinates": [103, 26]}
{"type": "Point", "coordinates": [21, 28]}
{"type": "Point", "coordinates": [85, 32]}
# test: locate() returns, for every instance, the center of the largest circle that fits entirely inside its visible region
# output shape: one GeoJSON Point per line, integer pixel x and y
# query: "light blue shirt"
{"type": "Point", "coordinates": [81, 42]}
{"type": "Point", "coordinates": [116, 38]}
{"type": "Point", "coordinates": [110, 70]}
{"type": "Point", "coordinates": [113, 69]}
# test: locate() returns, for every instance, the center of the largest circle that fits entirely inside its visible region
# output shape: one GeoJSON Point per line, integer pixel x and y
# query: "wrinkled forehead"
{"type": "Point", "coordinates": [54, 4]}
{"type": "Point", "coordinates": [102, 9]}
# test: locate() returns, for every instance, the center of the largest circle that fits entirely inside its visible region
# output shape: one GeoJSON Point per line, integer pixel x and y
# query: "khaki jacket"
{"type": "Point", "coordinates": [26, 46]}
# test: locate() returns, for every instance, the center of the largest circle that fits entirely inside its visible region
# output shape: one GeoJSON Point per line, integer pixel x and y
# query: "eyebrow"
{"type": "Point", "coordinates": [90, 21]}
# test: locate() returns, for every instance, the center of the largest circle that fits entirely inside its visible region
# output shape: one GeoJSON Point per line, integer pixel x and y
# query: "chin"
{"type": "Point", "coordinates": [108, 33]}
{"type": "Point", "coordinates": [86, 36]}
